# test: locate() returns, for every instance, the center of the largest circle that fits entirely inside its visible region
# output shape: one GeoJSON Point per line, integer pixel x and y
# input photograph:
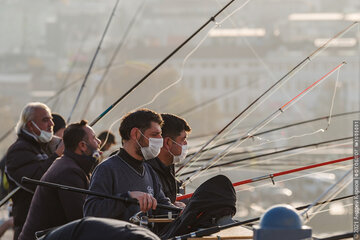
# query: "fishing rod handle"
{"type": "Point", "coordinates": [88, 192]}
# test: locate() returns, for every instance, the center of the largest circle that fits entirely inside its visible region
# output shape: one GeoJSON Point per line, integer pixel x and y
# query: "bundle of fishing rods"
{"type": "Point", "coordinates": [218, 147]}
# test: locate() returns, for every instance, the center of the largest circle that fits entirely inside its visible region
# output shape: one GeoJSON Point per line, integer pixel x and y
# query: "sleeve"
{"type": "Point", "coordinates": [101, 181]}
{"type": "Point", "coordinates": [73, 202]}
{"type": "Point", "coordinates": [23, 162]}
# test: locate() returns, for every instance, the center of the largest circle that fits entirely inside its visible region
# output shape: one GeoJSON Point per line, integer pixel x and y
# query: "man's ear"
{"type": "Point", "coordinates": [134, 134]}
{"type": "Point", "coordinates": [82, 146]}
{"type": "Point", "coordinates": [167, 143]}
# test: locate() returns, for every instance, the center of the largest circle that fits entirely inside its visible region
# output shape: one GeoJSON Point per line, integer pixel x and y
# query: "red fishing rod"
{"type": "Point", "coordinates": [262, 124]}
{"type": "Point", "coordinates": [272, 176]}
{"type": "Point", "coordinates": [282, 80]}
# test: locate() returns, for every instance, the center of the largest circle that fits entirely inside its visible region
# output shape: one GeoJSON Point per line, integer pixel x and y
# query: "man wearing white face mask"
{"type": "Point", "coordinates": [174, 132]}
{"type": "Point", "coordinates": [30, 156]}
{"type": "Point", "coordinates": [125, 174]}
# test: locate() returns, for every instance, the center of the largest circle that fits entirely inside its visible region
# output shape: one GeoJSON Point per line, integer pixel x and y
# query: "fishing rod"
{"type": "Point", "coordinates": [72, 67]}
{"type": "Point", "coordinates": [215, 229]}
{"type": "Point", "coordinates": [264, 122]}
{"type": "Point", "coordinates": [113, 57]}
{"type": "Point", "coordinates": [269, 154]}
{"type": "Point", "coordinates": [93, 60]}
{"type": "Point", "coordinates": [283, 79]}
{"type": "Point", "coordinates": [304, 213]}
{"type": "Point", "coordinates": [278, 174]}
{"type": "Point", "coordinates": [284, 127]}
{"type": "Point", "coordinates": [88, 192]}
{"type": "Point", "coordinates": [211, 19]}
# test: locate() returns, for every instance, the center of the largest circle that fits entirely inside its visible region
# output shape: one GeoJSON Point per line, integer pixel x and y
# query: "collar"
{"type": "Point", "coordinates": [86, 163]}
{"type": "Point", "coordinates": [133, 162]}
{"type": "Point", "coordinates": [156, 163]}
{"type": "Point", "coordinates": [28, 136]}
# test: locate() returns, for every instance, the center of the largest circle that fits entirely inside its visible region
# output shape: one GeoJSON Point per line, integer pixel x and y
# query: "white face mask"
{"type": "Point", "coordinates": [155, 145]}
{"type": "Point", "coordinates": [44, 136]}
{"type": "Point", "coordinates": [182, 156]}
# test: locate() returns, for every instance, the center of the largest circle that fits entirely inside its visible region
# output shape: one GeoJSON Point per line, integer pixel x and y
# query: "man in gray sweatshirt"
{"type": "Point", "coordinates": [125, 174]}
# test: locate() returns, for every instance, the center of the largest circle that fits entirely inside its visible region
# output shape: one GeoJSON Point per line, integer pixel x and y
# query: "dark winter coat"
{"type": "Point", "coordinates": [52, 207]}
{"type": "Point", "coordinates": [29, 158]}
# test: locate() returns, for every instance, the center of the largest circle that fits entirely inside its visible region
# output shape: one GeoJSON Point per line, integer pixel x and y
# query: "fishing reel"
{"type": "Point", "coordinates": [140, 219]}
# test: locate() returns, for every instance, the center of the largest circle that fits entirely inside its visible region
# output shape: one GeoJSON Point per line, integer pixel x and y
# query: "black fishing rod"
{"type": "Point", "coordinates": [88, 192]}
{"type": "Point", "coordinates": [286, 76]}
{"type": "Point", "coordinates": [113, 57]}
{"type": "Point", "coordinates": [268, 154]}
{"type": "Point", "coordinates": [283, 127]}
{"type": "Point", "coordinates": [215, 229]}
{"type": "Point", "coordinates": [211, 19]}
{"type": "Point", "coordinates": [93, 60]}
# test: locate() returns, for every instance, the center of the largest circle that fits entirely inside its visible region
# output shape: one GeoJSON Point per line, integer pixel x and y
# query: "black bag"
{"type": "Point", "coordinates": [212, 200]}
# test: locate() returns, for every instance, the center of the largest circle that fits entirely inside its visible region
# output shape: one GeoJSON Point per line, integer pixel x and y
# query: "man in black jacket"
{"type": "Point", "coordinates": [174, 132]}
{"type": "Point", "coordinates": [30, 156]}
{"type": "Point", "coordinates": [51, 207]}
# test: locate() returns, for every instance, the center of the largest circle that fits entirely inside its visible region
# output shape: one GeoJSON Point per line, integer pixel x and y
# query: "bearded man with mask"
{"type": "Point", "coordinates": [174, 132]}
{"type": "Point", "coordinates": [125, 174]}
{"type": "Point", "coordinates": [30, 156]}
{"type": "Point", "coordinates": [52, 207]}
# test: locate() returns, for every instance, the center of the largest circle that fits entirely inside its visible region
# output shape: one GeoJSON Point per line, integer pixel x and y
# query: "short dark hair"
{"type": "Point", "coordinates": [74, 134]}
{"type": "Point", "coordinates": [141, 119]}
{"type": "Point", "coordinates": [110, 137]}
{"type": "Point", "coordinates": [173, 126]}
{"type": "Point", "coordinates": [59, 122]}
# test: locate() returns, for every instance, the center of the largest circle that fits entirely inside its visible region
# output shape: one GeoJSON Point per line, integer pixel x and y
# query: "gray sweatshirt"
{"type": "Point", "coordinates": [117, 177]}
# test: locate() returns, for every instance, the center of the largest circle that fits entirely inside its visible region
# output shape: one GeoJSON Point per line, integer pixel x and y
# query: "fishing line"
{"type": "Point", "coordinates": [328, 210]}
{"type": "Point", "coordinates": [212, 19]}
{"type": "Point", "coordinates": [240, 189]}
{"type": "Point", "coordinates": [276, 175]}
{"type": "Point", "coordinates": [324, 194]}
{"type": "Point", "coordinates": [182, 68]}
{"type": "Point", "coordinates": [280, 157]}
{"type": "Point", "coordinates": [272, 130]}
{"type": "Point", "coordinates": [113, 57]}
{"type": "Point", "coordinates": [285, 78]}
{"type": "Point", "coordinates": [314, 145]}
{"type": "Point", "coordinates": [321, 130]}
{"type": "Point", "coordinates": [333, 100]}
{"type": "Point", "coordinates": [93, 60]}
{"type": "Point", "coordinates": [191, 53]}
{"type": "Point", "coordinates": [319, 208]}
{"type": "Point", "coordinates": [263, 123]}
{"type": "Point", "coordinates": [72, 67]}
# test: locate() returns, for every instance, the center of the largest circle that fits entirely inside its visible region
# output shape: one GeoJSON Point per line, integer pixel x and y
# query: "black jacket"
{"type": "Point", "coordinates": [166, 175]}
{"type": "Point", "coordinates": [52, 207]}
{"type": "Point", "coordinates": [26, 157]}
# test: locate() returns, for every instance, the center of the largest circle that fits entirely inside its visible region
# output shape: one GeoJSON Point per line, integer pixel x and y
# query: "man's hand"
{"type": "Point", "coordinates": [180, 204]}
{"type": "Point", "coordinates": [146, 201]}
{"type": "Point", "coordinates": [60, 148]}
